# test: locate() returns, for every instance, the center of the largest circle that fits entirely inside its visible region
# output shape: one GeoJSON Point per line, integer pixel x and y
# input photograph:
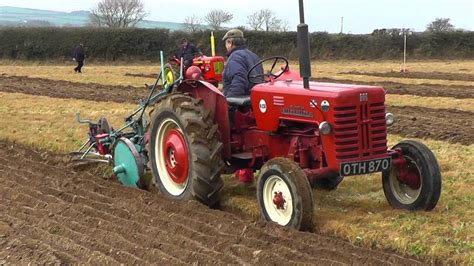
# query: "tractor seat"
{"type": "Point", "coordinates": [239, 101]}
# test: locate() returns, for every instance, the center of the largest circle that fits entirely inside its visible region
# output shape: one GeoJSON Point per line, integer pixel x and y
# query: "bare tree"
{"type": "Point", "coordinates": [266, 20]}
{"type": "Point", "coordinates": [440, 24]}
{"type": "Point", "coordinates": [255, 21]}
{"type": "Point", "coordinates": [217, 17]}
{"type": "Point", "coordinates": [118, 13]}
{"type": "Point", "coordinates": [94, 21]}
{"type": "Point", "coordinates": [192, 23]}
{"type": "Point", "coordinates": [284, 26]}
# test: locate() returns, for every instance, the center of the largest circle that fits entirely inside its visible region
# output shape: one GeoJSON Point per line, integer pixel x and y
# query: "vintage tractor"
{"type": "Point", "coordinates": [298, 133]}
{"type": "Point", "coordinates": [208, 68]}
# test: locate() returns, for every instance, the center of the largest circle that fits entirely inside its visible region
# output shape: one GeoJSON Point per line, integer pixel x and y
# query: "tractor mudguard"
{"type": "Point", "coordinates": [214, 101]}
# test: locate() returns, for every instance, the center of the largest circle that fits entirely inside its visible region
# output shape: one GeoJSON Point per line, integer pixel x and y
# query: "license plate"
{"type": "Point", "coordinates": [365, 167]}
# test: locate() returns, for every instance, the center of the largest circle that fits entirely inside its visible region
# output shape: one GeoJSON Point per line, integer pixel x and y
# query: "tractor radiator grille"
{"type": "Point", "coordinates": [360, 131]}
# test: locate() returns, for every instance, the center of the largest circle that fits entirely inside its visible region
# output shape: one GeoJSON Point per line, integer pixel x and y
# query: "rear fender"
{"type": "Point", "coordinates": [214, 100]}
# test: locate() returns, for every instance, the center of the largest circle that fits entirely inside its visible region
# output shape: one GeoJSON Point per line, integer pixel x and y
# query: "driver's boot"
{"type": "Point", "coordinates": [245, 175]}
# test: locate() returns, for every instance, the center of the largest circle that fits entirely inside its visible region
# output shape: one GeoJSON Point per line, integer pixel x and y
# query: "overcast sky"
{"type": "Point", "coordinates": [360, 16]}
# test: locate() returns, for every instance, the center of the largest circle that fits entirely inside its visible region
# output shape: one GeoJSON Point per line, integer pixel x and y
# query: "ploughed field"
{"type": "Point", "coordinates": [53, 213]}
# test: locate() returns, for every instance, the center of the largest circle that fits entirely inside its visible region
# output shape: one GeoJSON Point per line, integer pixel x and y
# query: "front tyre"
{"type": "Point", "coordinates": [284, 194]}
{"type": "Point", "coordinates": [185, 152]}
{"type": "Point", "coordinates": [416, 183]}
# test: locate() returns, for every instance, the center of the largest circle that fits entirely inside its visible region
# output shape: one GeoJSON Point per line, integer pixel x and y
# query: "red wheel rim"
{"type": "Point", "coordinates": [413, 178]}
{"type": "Point", "coordinates": [175, 153]}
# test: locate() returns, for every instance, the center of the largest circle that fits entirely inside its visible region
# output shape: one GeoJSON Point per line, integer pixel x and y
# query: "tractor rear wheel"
{"type": "Point", "coordinates": [185, 151]}
{"type": "Point", "coordinates": [284, 194]}
{"type": "Point", "coordinates": [421, 186]}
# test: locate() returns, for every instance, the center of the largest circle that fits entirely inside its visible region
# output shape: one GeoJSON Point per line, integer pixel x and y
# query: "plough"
{"type": "Point", "coordinates": [123, 147]}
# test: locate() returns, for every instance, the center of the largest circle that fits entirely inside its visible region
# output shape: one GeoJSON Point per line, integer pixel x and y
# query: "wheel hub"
{"type": "Point", "coordinates": [413, 180]}
{"type": "Point", "coordinates": [176, 156]}
{"type": "Point", "coordinates": [407, 171]}
{"type": "Point", "coordinates": [278, 200]}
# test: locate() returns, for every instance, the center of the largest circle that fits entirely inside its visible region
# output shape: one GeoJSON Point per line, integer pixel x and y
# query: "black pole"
{"type": "Point", "coordinates": [301, 12]}
{"type": "Point", "coordinates": [303, 48]}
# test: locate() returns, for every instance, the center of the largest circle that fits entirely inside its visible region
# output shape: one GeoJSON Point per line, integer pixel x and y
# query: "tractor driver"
{"type": "Point", "coordinates": [240, 61]}
{"type": "Point", "coordinates": [187, 51]}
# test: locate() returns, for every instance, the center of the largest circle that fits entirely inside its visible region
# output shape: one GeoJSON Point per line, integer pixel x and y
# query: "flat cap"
{"type": "Point", "coordinates": [233, 33]}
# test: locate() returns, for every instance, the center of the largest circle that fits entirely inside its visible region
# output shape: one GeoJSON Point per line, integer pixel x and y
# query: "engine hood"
{"type": "Point", "coordinates": [289, 100]}
{"type": "Point", "coordinates": [322, 89]}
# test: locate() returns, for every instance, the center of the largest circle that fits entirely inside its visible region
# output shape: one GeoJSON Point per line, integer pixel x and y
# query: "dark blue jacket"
{"type": "Point", "coordinates": [188, 53]}
{"type": "Point", "coordinates": [79, 53]}
{"type": "Point", "coordinates": [237, 66]}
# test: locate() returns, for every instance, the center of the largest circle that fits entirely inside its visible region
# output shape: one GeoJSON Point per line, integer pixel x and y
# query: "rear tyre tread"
{"type": "Point", "coordinates": [205, 167]}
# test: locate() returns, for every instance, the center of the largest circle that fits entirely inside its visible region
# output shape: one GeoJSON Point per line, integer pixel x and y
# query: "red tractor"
{"type": "Point", "coordinates": [208, 68]}
{"type": "Point", "coordinates": [299, 135]}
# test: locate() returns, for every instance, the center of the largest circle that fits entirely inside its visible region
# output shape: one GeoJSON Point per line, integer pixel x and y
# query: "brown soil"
{"type": "Point", "coordinates": [417, 75]}
{"type": "Point", "coordinates": [429, 90]}
{"type": "Point", "coordinates": [450, 125]}
{"type": "Point", "coordinates": [53, 215]}
{"type": "Point", "coordinates": [73, 90]}
{"type": "Point", "coordinates": [440, 124]}
{"type": "Point", "coordinates": [140, 75]}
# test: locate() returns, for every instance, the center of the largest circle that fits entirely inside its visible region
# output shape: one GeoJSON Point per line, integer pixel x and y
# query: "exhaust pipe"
{"type": "Point", "coordinates": [303, 48]}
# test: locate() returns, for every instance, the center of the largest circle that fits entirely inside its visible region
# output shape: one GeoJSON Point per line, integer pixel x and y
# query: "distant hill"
{"type": "Point", "coordinates": [17, 16]}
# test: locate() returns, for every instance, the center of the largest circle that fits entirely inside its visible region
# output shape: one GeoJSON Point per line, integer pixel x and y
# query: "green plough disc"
{"type": "Point", "coordinates": [128, 166]}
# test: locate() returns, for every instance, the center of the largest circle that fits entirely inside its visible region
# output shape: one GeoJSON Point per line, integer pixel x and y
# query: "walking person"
{"type": "Point", "coordinates": [79, 57]}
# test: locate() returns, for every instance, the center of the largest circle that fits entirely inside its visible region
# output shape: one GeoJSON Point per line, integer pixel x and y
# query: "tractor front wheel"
{"type": "Point", "coordinates": [284, 194]}
{"type": "Point", "coordinates": [185, 152]}
{"type": "Point", "coordinates": [415, 183]}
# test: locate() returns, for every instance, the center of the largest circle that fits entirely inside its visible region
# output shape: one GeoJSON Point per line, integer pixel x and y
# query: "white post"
{"type": "Point", "coordinates": [342, 24]}
{"type": "Point", "coordinates": [404, 51]}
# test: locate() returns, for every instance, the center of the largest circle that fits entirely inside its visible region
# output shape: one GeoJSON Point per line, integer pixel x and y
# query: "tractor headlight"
{"type": "Point", "coordinates": [325, 128]}
{"type": "Point", "coordinates": [389, 119]}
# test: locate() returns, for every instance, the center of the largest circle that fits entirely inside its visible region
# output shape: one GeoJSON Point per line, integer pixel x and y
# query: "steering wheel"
{"type": "Point", "coordinates": [266, 77]}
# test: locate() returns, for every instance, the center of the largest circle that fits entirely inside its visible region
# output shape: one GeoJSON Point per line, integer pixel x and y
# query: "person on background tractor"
{"type": "Point", "coordinates": [188, 51]}
{"type": "Point", "coordinates": [240, 61]}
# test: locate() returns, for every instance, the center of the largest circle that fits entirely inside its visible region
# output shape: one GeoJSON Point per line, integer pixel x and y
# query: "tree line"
{"type": "Point", "coordinates": [109, 44]}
